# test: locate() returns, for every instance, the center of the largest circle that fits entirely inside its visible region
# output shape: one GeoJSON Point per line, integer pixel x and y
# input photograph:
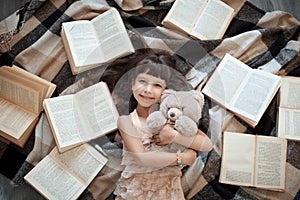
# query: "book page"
{"type": "Point", "coordinates": [238, 159]}
{"type": "Point", "coordinates": [83, 43]}
{"type": "Point", "coordinates": [288, 123]}
{"type": "Point", "coordinates": [184, 14]}
{"type": "Point", "coordinates": [289, 92]}
{"type": "Point", "coordinates": [270, 162]}
{"type": "Point", "coordinates": [98, 111]}
{"type": "Point", "coordinates": [112, 35]}
{"type": "Point", "coordinates": [47, 86]}
{"type": "Point", "coordinates": [224, 83]}
{"type": "Point", "coordinates": [66, 175]}
{"type": "Point", "coordinates": [14, 120]}
{"type": "Point", "coordinates": [64, 119]}
{"type": "Point", "coordinates": [53, 182]}
{"type": "Point", "coordinates": [213, 21]}
{"type": "Point", "coordinates": [20, 91]}
{"type": "Point", "coordinates": [84, 162]}
{"type": "Point", "coordinates": [289, 108]}
{"type": "Point", "coordinates": [255, 96]}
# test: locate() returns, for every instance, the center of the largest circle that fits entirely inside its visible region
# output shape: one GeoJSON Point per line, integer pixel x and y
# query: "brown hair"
{"type": "Point", "coordinates": [158, 63]}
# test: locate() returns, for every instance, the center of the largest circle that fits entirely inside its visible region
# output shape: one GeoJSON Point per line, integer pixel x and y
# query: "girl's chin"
{"type": "Point", "coordinates": [146, 104]}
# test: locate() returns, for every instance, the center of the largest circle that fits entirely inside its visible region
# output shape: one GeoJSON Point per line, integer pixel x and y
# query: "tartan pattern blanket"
{"type": "Point", "coordinates": [266, 40]}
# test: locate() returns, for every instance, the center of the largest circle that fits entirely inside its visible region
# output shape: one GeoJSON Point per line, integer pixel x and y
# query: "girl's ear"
{"type": "Point", "coordinates": [166, 93]}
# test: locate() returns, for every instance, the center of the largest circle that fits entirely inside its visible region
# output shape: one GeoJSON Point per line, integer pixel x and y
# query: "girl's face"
{"type": "Point", "coordinates": [147, 89]}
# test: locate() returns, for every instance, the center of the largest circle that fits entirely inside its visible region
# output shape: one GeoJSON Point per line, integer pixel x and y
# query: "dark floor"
{"type": "Point", "coordinates": [7, 7]}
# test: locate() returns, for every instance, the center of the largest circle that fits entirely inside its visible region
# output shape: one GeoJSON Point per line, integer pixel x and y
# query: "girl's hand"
{"type": "Point", "coordinates": [165, 136]}
{"type": "Point", "coordinates": [188, 157]}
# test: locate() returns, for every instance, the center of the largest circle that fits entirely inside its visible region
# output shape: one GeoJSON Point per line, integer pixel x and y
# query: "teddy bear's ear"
{"type": "Point", "coordinates": [198, 96]}
{"type": "Point", "coordinates": [166, 93]}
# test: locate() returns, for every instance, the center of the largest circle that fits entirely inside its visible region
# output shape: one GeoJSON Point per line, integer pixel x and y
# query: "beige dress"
{"type": "Point", "coordinates": [145, 183]}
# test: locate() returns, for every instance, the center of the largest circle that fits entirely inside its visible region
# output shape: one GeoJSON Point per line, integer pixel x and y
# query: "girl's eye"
{"type": "Point", "coordinates": [157, 85]}
{"type": "Point", "coordinates": [142, 81]}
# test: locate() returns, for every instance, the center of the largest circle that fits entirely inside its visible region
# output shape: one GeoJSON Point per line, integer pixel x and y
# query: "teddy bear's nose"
{"type": "Point", "coordinates": [172, 114]}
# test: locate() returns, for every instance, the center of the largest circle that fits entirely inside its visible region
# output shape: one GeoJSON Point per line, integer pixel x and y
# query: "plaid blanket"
{"type": "Point", "coordinates": [266, 40]}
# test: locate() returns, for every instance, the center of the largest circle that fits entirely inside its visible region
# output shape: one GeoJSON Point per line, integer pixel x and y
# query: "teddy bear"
{"type": "Point", "coordinates": [181, 109]}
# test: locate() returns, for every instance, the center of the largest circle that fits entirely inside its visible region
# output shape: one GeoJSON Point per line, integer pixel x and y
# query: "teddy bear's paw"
{"type": "Point", "coordinates": [186, 126]}
{"type": "Point", "coordinates": [156, 121]}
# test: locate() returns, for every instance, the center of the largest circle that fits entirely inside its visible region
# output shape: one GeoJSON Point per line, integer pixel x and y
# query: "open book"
{"type": "Point", "coordinates": [21, 102]}
{"type": "Point", "coordinates": [289, 108]}
{"type": "Point", "coordinates": [78, 118]}
{"type": "Point", "coordinates": [201, 19]}
{"type": "Point", "coordinates": [66, 175]}
{"type": "Point", "coordinates": [245, 91]}
{"type": "Point", "coordinates": [253, 160]}
{"type": "Point", "coordinates": [89, 43]}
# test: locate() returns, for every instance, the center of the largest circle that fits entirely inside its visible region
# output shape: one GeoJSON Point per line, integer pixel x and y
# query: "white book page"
{"type": "Point", "coordinates": [213, 21]}
{"type": "Point", "coordinates": [270, 162]}
{"type": "Point", "coordinates": [238, 159]}
{"type": "Point", "coordinates": [255, 96]}
{"type": "Point", "coordinates": [83, 43]}
{"type": "Point", "coordinates": [224, 83]}
{"type": "Point", "coordinates": [14, 120]}
{"type": "Point", "coordinates": [49, 87]}
{"type": "Point", "coordinates": [65, 120]}
{"type": "Point", "coordinates": [31, 81]}
{"type": "Point", "coordinates": [84, 162]}
{"type": "Point", "coordinates": [97, 110]}
{"type": "Point", "coordinates": [288, 123]}
{"type": "Point", "coordinates": [21, 93]}
{"type": "Point", "coordinates": [112, 35]}
{"type": "Point", "coordinates": [289, 92]}
{"type": "Point", "coordinates": [53, 182]}
{"type": "Point", "coordinates": [184, 13]}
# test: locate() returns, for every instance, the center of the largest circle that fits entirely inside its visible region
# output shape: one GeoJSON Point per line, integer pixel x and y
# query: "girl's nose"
{"type": "Point", "coordinates": [148, 88]}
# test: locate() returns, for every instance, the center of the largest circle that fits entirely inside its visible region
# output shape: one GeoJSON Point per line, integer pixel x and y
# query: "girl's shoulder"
{"type": "Point", "coordinates": [124, 121]}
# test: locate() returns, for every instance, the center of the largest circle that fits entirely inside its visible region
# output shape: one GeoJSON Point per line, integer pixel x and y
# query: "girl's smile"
{"type": "Point", "coordinates": [147, 89]}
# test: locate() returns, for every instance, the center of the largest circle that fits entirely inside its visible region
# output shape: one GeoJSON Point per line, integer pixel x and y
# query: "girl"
{"type": "Point", "coordinates": [150, 173]}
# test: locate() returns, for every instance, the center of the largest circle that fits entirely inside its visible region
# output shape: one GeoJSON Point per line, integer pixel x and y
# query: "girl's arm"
{"type": "Point", "coordinates": [131, 139]}
{"type": "Point", "coordinates": [199, 142]}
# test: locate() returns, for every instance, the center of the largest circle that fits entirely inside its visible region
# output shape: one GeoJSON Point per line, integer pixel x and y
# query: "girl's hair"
{"type": "Point", "coordinates": [158, 63]}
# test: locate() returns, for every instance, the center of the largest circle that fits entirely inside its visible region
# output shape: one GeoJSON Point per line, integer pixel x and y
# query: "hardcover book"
{"type": "Point", "coordinates": [66, 175]}
{"type": "Point", "coordinates": [21, 102]}
{"type": "Point", "coordinates": [90, 43]}
{"type": "Point", "coordinates": [244, 91]}
{"type": "Point", "coordinates": [253, 161]}
{"type": "Point", "coordinates": [289, 108]}
{"type": "Point", "coordinates": [77, 118]}
{"type": "Point", "coordinates": [200, 19]}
